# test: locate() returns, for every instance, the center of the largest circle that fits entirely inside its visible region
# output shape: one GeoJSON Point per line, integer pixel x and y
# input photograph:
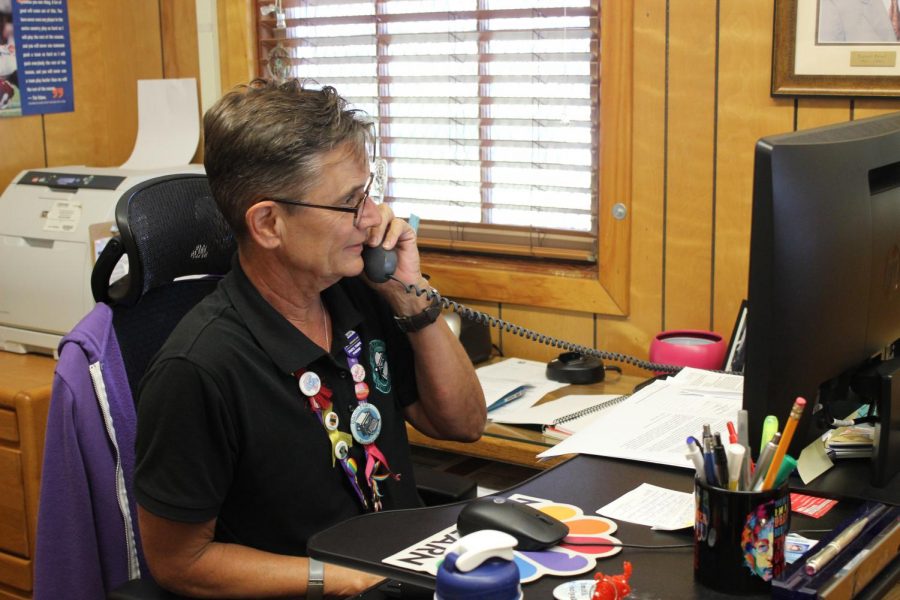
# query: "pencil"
{"type": "Point", "coordinates": [789, 427]}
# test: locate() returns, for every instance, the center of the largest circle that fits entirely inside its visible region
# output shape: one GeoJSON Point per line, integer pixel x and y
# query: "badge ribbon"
{"type": "Point", "coordinates": [366, 422]}
{"type": "Point", "coordinates": [319, 398]}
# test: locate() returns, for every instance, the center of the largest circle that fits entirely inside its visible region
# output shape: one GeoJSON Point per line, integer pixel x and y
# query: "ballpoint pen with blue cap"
{"type": "Point", "coordinates": [694, 455]}
{"type": "Point", "coordinates": [509, 397]}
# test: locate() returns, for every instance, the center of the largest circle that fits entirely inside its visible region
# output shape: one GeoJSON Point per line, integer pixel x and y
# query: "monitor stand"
{"type": "Point", "coordinates": [879, 478]}
{"type": "Point", "coordinates": [886, 455]}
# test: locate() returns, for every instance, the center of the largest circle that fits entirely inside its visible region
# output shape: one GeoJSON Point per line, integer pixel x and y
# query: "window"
{"type": "Point", "coordinates": [486, 110]}
{"type": "Point", "coordinates": [598, 287]}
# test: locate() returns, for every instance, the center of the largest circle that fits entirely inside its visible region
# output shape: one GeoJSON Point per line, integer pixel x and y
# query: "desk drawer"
{"type": "Point", "coordinates": [15, 572]}
{"type": "Point", "coordinates": [9, 429]}
{"type": "Point", "coordinates": [13, 527]}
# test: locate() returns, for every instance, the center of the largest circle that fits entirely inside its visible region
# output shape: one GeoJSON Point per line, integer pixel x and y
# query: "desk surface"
{"type": "Point", "coordinates": [585, 481]}
{"type": "Point", "coordinates": [519, 445]}
{"type": "Point", "coordinates": [24, 373]}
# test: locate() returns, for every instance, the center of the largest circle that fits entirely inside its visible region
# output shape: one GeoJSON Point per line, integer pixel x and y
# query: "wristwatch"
{"type": "Point", "coordinates": [421, 320]}
{"type": "Point", "coordinates": [315, 584]}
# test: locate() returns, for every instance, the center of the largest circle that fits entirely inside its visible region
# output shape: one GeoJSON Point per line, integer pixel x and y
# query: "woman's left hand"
{"type": "Point", "coordinates": [395, 233]}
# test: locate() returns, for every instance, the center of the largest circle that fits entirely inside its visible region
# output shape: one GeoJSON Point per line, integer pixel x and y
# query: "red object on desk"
{"type": "Point", "coordinates": [613, 587]}
{"type": "Point", "coordinates": [689, 348]}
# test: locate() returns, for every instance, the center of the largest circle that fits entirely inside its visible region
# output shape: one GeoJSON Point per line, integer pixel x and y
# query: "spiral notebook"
{"type": "Point", "coordinates": [566, 425]}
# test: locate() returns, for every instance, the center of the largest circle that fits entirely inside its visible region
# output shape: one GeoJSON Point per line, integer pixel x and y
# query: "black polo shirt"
{"type": "Point", "coordinates": [223, 430]}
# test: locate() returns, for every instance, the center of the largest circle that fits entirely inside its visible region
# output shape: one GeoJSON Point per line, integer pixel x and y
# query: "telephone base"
{"type": "Point", "coordinates": [572, 367]}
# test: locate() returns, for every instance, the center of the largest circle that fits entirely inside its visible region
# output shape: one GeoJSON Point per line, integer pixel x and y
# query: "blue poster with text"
{"type": "Point", "coordinates": [35, 59]}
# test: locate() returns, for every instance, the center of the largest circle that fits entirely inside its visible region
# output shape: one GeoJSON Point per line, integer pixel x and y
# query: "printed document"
{"type": "Point", "coordinates": [653, 424]}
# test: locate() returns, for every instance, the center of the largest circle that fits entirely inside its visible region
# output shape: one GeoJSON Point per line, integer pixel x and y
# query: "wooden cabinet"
{"type": "Point", "coordinates": [25, 382]}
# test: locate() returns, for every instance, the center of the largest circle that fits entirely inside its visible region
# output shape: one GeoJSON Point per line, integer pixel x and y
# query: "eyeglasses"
{"type": "Point", "coordinates": [356, 206]}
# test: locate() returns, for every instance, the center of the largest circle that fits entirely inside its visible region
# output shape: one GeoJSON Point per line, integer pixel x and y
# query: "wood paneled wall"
{"type": "Point", "coordinates": [701, 100]}
{"type": "Point", "coordinates": [113, 45]}
{"type": "Point", "coordinates": [702, 74]}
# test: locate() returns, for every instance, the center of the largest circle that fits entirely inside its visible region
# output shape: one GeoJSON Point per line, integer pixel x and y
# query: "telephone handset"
{"type": "Point", "coordinates": [380, 264]}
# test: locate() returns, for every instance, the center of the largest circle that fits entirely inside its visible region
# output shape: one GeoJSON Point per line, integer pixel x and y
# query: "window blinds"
{"type": "Point", "coordinates": [486, 110]}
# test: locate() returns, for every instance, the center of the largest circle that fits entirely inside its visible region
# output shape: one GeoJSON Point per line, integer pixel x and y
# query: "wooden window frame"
{"type": "Point", "coordinates": [602, 288]}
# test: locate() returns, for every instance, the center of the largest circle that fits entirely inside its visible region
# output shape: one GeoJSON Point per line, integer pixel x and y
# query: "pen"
{"type": "Point", "coordinates": [841, 541]}
{"type": "Point", "coordinates": [509, 397]}
{"type": "Point", "coordinates": [709, 463]}
{"type": "Point", "coordinates": [789, 428]}
{"type": "Point", "coordinates": [695, 456]}
{"type": "Point", "coordinates": [743, 427]}
{"type": "Point", "coordinates": [732, 433]}
{"type": "Point", "coordinates": [765, 459]}
{"type": "Point", "coordinates": [770, 426]}
{"type": "Point", "coordinates": [735, 454]}
{"type": "Point", "coordinates": [721, 461]}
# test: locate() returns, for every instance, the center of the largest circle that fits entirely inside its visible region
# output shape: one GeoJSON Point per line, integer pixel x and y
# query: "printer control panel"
{"type": "Point", "coordinates": [71, 180]}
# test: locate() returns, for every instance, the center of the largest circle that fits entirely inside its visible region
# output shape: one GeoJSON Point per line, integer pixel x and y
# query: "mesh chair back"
{"type": "Point", "coordinates": [169, 228]}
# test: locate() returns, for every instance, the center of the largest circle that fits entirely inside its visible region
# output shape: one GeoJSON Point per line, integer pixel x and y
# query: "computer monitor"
{"type": "Point", "coordinates": [824, 288]}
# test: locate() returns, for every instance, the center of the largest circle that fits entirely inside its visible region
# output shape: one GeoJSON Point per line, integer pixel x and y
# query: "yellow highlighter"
{"type": "Point", "coordinates": [770, 426]}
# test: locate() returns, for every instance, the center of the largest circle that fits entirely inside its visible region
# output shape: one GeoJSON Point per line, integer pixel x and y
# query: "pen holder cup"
{"type": "Point", "coordinates": [739, 537]}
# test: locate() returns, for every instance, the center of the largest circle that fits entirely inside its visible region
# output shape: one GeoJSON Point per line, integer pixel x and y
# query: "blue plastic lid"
{"type": "Point", "coordinates": [494, 579]}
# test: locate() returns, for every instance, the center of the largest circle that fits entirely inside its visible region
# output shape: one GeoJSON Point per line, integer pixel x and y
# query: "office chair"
{"type": "Point", "coordinates": [177, 246]}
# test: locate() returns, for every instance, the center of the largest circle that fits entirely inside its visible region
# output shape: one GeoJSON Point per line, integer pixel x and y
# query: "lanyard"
{"type": "Point", "coordinates": [319, 398]}
{"type": "Point", "coordinates": [365, 423]}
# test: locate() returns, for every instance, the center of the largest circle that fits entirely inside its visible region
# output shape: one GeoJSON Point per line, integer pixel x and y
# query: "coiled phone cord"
{"type": "Point", "coordinates": [529, 334]}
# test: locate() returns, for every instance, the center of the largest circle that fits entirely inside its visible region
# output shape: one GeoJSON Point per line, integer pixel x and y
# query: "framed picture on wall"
{"type": "Point", "coordinates": [836, 48]}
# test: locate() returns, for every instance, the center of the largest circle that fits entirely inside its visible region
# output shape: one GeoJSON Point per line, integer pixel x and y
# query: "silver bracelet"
{"type": "Point", "coordinates": [315, 584]}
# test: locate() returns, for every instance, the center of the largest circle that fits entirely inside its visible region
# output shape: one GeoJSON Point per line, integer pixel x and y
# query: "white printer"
{"type": "Point", "coordinates": [45, 248]}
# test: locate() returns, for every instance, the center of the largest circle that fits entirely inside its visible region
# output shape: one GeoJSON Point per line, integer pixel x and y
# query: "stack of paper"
{"type": "Point", "coordinates": [653, 424]}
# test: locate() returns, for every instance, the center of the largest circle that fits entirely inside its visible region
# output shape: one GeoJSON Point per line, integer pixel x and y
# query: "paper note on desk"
{"type": "Point", "coordinates": [501, 378]}
{"type": "Point", "coordinates": [652, 425]}
{"type": "Point", "coordinates": [654, 506]}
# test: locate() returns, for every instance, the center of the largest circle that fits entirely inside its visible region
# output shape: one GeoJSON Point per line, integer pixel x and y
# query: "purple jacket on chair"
{"type": "Point", "coordinates": [87, 539]}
